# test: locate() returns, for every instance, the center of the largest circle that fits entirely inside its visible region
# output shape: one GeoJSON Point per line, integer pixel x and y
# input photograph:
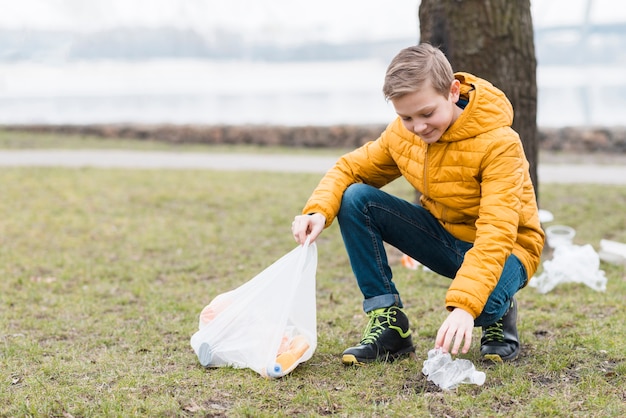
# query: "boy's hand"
{"type": "Point", "coordinates": [458, 326]}
{"type": "Point", "coordinates": [304, 226]}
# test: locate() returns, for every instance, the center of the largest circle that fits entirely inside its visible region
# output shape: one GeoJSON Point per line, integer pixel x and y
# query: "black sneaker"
{"type": "Point", "coordinates": [499, 341]}
{"type": "Point", "coordinates": [386, 338]}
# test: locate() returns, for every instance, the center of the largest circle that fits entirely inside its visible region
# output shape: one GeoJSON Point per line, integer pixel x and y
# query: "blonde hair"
{"type": "Point", "coordinates": [415, 66]}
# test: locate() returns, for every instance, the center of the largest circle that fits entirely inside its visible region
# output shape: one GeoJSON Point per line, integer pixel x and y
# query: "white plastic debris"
{"type": "Point", "coordinates": [571, 264]}
{"type": "Point", "coordinates": [545, 216]}
{"type": "Point", "coordinates": [448, 374]}
{"type": "Point", "coordinates": [558, 235]}
{"type": "Point", "coordinates": [612, 252]}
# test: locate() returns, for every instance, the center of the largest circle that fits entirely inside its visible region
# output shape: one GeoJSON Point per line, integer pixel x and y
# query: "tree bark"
{"type": "Point", "coordinates": [492, 39]}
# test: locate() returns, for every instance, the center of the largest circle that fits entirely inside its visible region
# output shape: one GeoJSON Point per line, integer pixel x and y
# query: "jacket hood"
{"type": "Point", "coordinates": [488, 109]}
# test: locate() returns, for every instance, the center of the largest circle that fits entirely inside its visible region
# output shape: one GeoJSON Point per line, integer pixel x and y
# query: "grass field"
{"type": "Point", "coordinates": [104, 273]}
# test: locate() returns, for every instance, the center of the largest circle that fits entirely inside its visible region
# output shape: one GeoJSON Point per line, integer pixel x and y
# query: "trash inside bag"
{"type": "Point", "coordinates": [571, 264]}
{"type": "Point", "coordinates": [267, 324]}
{"type": "Point", "coordinates": [448, 374]}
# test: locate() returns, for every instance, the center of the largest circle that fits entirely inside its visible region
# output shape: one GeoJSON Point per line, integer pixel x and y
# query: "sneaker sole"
{"type": "Point", "coordinates": [352, 360]}
{"type": "Point", "coordinates": [495, 358]}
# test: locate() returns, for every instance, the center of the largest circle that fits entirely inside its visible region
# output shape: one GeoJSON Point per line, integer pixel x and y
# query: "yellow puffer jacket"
{"type": "Point", "coordinates": [474, 180]}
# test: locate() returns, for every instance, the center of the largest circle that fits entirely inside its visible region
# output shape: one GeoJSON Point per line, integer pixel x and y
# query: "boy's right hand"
{"type": "Point", "coordinates": [457, 327]}
{"type": "Point", "coordinates": [310, 226]}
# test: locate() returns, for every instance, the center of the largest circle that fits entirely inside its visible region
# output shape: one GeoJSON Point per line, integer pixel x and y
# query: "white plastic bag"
{"type": "Point", "coordinates": [571, 264]}
{"type": "Point", "coordinates": [449, 374]}
{"type": "Point", "coordinates": [267, 324]}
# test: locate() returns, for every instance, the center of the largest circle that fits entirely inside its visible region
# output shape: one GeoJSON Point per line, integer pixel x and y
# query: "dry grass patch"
{"type": "Point", "coordinates": [105, 272]}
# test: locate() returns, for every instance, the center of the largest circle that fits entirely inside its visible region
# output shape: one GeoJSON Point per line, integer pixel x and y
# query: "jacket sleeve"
{"type": "Point", "coordinates": [370, 164]}
{"type": "Point", "coordinates": [502, 180]}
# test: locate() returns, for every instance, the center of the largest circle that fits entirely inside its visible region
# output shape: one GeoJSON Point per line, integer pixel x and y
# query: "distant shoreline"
{"type": "Point", "coordinates": [566, 139]}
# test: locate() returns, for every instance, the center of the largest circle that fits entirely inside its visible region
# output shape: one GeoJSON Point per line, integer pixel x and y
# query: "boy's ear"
{"type": "Point", "coordinates": [455, 90]}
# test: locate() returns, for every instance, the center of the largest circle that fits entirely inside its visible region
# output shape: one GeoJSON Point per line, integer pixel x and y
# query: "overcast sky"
{"type": "Point", "coordinates": [333, 20]}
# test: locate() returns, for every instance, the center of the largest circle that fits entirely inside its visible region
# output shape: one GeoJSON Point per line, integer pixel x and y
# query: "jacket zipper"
{"type": "Point", "coordinates": [426, 171]}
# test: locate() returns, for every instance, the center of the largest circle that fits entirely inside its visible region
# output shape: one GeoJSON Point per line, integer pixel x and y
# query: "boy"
{"type": "Point", "coordinates": [477, 222]}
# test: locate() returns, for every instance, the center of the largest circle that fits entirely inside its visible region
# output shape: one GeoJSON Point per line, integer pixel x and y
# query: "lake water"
{"type": "Point", "coordinates": [318, 93]}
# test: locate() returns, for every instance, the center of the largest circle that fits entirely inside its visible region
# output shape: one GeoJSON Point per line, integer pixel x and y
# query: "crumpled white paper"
{"type": "Point", "coordinates": [571, 264]}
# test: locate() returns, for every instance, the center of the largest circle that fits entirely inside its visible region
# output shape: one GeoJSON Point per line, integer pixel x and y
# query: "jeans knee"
{"type": "Point", "coordinates": [354, 197]}
{"type": "Point", "coordinates": [355, 192]}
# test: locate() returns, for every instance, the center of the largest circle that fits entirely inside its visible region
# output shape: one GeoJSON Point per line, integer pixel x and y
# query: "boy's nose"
{"type": "Point", "coordinates": [419, 128]}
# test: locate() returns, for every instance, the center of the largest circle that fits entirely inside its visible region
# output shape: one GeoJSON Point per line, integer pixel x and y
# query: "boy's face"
{"type": "Point", "coordinates": [427, 113]}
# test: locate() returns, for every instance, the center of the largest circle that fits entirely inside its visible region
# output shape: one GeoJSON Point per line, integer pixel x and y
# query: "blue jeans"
{"type": "Point", "coordinates": [369, 216]}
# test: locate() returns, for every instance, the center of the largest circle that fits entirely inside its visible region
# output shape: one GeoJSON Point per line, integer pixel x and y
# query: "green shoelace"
{"type": "Point", "coordinates": [495, 332]}
{"type": "Point", "coordinates": [376, 325]}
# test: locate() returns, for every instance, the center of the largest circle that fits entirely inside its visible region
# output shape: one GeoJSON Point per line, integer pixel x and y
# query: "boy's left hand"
{"type": "Point", "coordinates": [457, 327]}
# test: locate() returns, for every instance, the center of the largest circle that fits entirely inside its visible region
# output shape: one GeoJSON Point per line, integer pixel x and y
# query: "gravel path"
{"type": "Point", "coordinates": [551, 172]}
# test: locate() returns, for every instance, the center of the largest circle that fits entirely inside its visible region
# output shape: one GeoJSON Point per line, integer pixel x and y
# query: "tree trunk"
{"type": "Point", "coordinates": [492, 39]}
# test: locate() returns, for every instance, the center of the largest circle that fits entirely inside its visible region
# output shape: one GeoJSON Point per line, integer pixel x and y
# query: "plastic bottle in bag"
{"type": "Point", "coordinates": [448, 374]}
{"type": "Point", "coordinates": [213, 309]}
{"type": "Point", "coordinates": [286, 359]}
{"type": "Point", "coordinates": [243, 327]}
{"type": "Point", "coordinates": [208, 314]}
{"type": "Point", "coordinates": [204, 354]}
